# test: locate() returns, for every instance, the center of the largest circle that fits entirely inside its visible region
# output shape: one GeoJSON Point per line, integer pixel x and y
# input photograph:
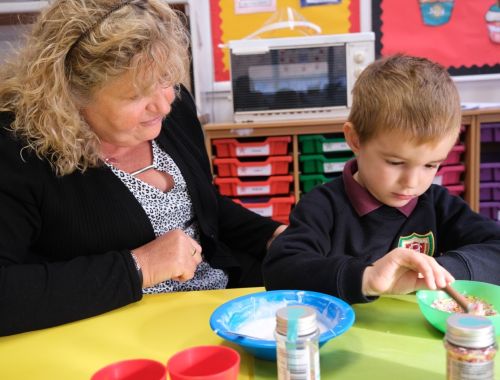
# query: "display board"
{"type": "Point", "coordinates": [237, 19]}
{"type": "Point", "coordinates": [462, 35]}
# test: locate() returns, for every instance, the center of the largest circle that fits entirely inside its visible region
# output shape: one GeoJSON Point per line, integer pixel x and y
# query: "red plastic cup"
{"type": "Point", "coordinates": [204, 362]}
{"type": "Point", "coordinates": [134, 369]}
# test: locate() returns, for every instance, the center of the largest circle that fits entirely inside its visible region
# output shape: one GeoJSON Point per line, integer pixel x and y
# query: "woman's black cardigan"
{"type": "Point", "coordinates": [65, 241]}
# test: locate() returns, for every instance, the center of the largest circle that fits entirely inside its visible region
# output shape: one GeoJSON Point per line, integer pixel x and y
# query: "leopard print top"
{"type": "Point", "coordinates": [168, 211]}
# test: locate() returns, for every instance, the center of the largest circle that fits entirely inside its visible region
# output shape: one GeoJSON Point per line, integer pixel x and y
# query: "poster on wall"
{"type": "Point", "coordinates": [463, 36]}
{"type": "Point", "coordinates": [254, 6]}
{"type": "Point", "coordinates": [230, 22]}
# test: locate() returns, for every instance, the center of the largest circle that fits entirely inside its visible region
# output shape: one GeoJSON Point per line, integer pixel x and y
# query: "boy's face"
{"type": "Point", "coordinates": [395, 169]}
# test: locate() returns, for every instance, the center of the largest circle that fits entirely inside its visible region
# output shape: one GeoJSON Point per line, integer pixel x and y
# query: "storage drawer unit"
{"type": "Point", "coordinates": [250, 168]}
{"type": "Point", "coordinates": [470, 138]}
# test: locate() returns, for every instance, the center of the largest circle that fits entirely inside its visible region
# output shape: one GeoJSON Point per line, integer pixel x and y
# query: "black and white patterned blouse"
{"type": "Point", "coordinates": [168, 211]}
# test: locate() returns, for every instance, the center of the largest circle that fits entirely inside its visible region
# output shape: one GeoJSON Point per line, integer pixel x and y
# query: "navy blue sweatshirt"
{"type": "Point", "coordinates": [328, 244]}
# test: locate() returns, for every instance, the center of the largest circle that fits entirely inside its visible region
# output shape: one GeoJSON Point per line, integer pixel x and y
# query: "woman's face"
{"type": "Point", "coordinates": [123, 117]}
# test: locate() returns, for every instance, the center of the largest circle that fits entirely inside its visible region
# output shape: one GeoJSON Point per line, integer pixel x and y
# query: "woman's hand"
{"type": "Point", "coordinates": [403, 271]}
{"type": "Point", "coordinates": [171, 256]}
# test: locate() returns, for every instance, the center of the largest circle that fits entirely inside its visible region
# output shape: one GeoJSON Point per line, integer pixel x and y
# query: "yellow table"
{"type": "Point", "coordinates": [390, 340]}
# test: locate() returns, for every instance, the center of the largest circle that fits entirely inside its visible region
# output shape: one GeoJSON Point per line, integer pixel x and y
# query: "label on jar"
{"type": "Point", "coordinates": [297, 363]}
{"type": "Point", "coordinates": [465, 370]}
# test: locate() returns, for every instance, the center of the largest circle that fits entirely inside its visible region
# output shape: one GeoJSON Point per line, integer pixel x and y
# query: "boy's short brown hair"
{"type": "Point", "coordinates": [405, 94]}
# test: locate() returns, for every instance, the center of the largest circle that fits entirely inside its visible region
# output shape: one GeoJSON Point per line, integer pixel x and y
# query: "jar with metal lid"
{"type": "Point", "coordinates": [297, 343]}
{"type": "Point", "coordinates": [471, 347]}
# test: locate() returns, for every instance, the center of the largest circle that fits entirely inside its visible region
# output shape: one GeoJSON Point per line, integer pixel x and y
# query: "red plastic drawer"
{"type": "Point", "coordinates": [237, 187]}
{"type": "Point", "coordinates": [457, 190]}
{"type": "Point", "coordinates": [449, 175]}
{"type": "Point", "coordinates": [455, 155]}
{"type": "Point", "coordinates": [272, 207]}
{"type": "Point", "coordinates": [282, 219]}
{"type": "Point", "coordinates": [233, 167]}
{"type": "Point", "coordinates": [271, 146]}
{"type": "Point", "coordinates": [489, 191]}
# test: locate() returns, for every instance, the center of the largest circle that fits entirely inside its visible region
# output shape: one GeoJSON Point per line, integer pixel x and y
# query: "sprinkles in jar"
{"type": "Point", "coordinates": [471, 348]}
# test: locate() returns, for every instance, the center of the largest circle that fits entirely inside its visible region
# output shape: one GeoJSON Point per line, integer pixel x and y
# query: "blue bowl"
{"type": "Point", "coordinates": [335, 315]}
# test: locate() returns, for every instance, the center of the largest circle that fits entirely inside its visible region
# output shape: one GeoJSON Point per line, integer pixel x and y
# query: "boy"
{"type": "Point", "coordinates": [383, 228]}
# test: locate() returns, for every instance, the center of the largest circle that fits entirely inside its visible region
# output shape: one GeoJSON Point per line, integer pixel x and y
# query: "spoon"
{"type": "Point", "coordinates": [460, 298]}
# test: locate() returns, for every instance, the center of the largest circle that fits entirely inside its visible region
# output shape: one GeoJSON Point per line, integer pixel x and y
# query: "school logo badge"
{"type": "Point", "coordinates": [417, 242]}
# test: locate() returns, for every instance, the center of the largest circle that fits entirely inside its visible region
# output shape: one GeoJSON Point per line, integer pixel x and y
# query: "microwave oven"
{"type": "Point", "coordinates": [296, 78]}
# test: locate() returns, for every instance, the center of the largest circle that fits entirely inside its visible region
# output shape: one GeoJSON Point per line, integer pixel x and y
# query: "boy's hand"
{"type": "Point", "coordinates": [403, 271]}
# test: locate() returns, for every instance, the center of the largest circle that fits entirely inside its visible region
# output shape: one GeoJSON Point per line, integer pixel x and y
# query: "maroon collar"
{"type": "Point", "coordinates": [361, 199]}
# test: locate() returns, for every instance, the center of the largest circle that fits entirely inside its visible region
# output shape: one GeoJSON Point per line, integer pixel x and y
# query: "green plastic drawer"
{"type": "Point", "coordinates": [311, 144]}
{"type": "Point", "coordinates": [310, 181]}
{"type": "Point", "coordinates": [321, 164]}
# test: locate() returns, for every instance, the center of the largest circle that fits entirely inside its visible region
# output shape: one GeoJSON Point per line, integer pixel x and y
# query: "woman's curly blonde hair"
{"type": "Point", "coordinates": [76, 47]}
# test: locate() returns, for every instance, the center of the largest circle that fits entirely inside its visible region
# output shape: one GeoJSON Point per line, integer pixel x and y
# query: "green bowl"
{"type": "Point", "coordinates": [487, 292]}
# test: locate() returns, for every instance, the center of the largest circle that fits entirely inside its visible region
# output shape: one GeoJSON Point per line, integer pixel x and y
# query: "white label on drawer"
{"type": "Point", "coordinates": [438, 180]}
{"type": "Point", "coordinates": [251, 190]}
{"type": "Point", "coordinates": [254, 170]}
{"type": "Point", "coordinates": [332, 167]}
{"type": "Point", "coordinates": [262, 211]}
{"type": "Point", "coordinates": [253, 150]}
{"type": "Point", "coordinates": [335, 146]}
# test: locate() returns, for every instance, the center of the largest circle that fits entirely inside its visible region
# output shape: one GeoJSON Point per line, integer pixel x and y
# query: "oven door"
{"type": "Point", "coordinates": [289, 79]}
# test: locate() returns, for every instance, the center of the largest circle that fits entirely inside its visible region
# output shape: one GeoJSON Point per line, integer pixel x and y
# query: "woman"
{"type": "Point", "coordinates": [106, 190]}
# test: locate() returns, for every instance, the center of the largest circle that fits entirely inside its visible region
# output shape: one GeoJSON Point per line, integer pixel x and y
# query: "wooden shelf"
{"type": "Point", "coordinates": [471, 119]}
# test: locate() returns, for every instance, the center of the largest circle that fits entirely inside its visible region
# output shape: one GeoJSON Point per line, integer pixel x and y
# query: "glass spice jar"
{"type": "Point", "coordinates": [297, 343]}
{"type": "Point", "coordinates": [471, 347]}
